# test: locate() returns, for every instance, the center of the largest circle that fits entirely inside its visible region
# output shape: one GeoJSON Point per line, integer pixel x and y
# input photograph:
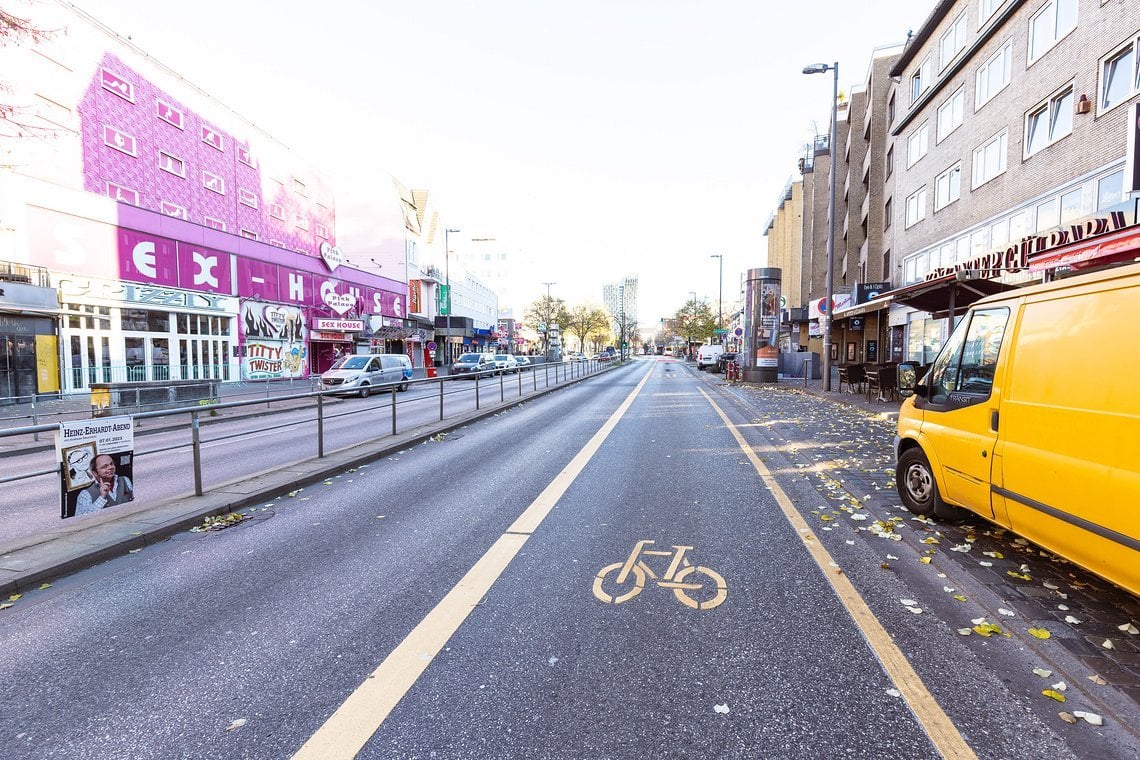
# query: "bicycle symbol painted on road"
{"type": "Point", "coordinates": [693, 585]}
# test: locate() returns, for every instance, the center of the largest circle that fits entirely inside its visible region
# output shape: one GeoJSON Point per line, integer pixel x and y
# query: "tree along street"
{"type": "Point", "coordinates": [732, 638]}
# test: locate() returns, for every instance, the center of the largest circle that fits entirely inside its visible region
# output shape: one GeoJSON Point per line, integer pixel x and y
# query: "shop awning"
{"type": "Point", "coordinates": [934, 295]}
{"type": "Point", "coordinates": [875, 304]}
{"type": "Point", "coordinates": [1115, 248]}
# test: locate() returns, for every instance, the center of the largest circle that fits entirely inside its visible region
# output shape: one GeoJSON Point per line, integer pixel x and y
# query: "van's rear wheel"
{"type": "Point", "coordinates": [916, 484]}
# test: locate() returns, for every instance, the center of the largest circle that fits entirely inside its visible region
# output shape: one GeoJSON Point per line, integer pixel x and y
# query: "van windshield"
{"type": "Point", "coordinates": [351, 362]}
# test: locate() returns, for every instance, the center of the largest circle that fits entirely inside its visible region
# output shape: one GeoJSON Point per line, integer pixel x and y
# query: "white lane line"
{"type": "Point", "coordinates": [349, 728]}
{"type": "Point", "coordinates": [943, 734]}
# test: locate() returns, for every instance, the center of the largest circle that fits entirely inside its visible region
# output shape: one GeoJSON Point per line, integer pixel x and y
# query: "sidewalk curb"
{"type": "Point", "coordinates": [78, 548]}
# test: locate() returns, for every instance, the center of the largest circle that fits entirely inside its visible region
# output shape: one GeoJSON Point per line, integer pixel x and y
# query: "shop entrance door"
{"type": "Point", "coordinates": [17, 368]}
{"type": "Point", "coordinates": [147, 358]}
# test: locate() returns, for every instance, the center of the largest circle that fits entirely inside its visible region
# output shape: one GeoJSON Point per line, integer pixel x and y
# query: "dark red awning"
{"type": "Point", "coordinates": [1115, 248]}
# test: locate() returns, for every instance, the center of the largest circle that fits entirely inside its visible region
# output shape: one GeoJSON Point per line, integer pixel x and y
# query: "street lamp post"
{"type": "Point", "coordinates": [447, 278]}
{"type": "Point", "coordinates": [720, 293]}
{"type": "Point", "coordinates": [825, 315]}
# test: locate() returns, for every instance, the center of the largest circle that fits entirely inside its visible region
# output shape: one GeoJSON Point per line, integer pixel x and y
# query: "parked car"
{"type": "Point", "coordinates": [723, 360]}
{"type": "Point", "coordinates": [472, 364]}
{"type": "Point", "coordinates": [707, 355]}
{"type": "Point", "coordinates": [506, 363]}
{"type": "Point", "coordinates": [363, 373]}
{"type": "Point", "coordinates": [523, 362]}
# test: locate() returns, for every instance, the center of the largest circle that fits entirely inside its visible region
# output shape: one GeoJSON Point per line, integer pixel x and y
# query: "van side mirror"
{"type": "Point", "coordinates": [907, 379]}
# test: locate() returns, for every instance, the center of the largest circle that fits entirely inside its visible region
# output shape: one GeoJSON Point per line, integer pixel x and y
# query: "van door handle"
{"type": "Point", "coordinates": [994, 420]}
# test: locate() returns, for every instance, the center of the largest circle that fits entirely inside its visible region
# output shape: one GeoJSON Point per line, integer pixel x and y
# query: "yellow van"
{"type": "Point", "coordinates": [1030, 417]}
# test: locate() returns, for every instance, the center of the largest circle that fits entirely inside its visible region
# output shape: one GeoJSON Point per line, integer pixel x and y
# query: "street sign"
{"type": "Point", "coordinates": [720, 331]}
{"type": "Point", "coordinates": [738, 331]}
{"type": "Point", "coordinates": [444, 300]}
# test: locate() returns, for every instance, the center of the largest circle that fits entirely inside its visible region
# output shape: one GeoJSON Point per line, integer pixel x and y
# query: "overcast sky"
{"type": "Point", "coordinates": [597, 138]}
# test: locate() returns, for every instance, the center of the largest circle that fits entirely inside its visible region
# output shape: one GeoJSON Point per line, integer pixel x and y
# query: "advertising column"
{"type": "Point", "coordinates": [762, 326]}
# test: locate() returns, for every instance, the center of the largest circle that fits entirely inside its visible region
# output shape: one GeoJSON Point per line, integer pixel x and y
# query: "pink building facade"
{"type": "Point", "coordinates": [184, 243]}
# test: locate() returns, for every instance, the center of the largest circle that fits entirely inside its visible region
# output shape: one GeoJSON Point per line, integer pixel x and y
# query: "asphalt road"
{"type": "Point", "coordinates": [410, 600]}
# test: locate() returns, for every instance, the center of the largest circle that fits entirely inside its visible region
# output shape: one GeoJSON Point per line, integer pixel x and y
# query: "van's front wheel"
{"type": "Point", "coordinates": [916, 484]}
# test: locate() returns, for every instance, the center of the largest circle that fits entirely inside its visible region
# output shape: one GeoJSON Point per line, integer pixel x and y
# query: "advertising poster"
{"type": "Point", "coordinates": [96, 464]}
{"type": "Point", "coordinates": [275, 337]}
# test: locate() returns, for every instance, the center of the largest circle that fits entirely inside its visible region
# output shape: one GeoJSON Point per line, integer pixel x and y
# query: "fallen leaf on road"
{"type": "Point", "coordinates": [1022, 576]}
{"type": "Point", "coordinates": [995, 555]}
{"type": "Point", "coordinates": [14, 597]}
{"type": "Point", "coordinates": [894, 692]}
{"type": "Point", "coordinates": [1039, 633]}
{"type": "Point", "coordinates": [236, 724]}
{"type": "Point", "coordinates": [48, 585]}
{"type": "Point", "coordinates": [1097, 680]}
{"type": "Point", "coordinates": [1068, 717]}
{"type": "Point", "coordinates": [723, 709]}
{"type": "Point", "coordinates": [1088, 717]}
{"type": "Point", "coordinates": [5, 605]}
{"type": "Point", "coordinates": [1128, 628]}
{"type": "Point", "coordinates": [1072, 620]}
{"type": "Point", "coordinates": [908, 602]}
{"type": "Point", "coordinates": [959, 597]}
{"type": "Point", "coordinates": [1061, 686]}
{"type": "Point", "coordinates": [1054, 695]}
{"type": "Point", "coordinates": [924, 560]}
{"type": "Point", "coordinates": [964, 631]}
{"type": "Point", "coordinates": [983, 563]}
{"type": "Point", "coordinates": [1004, 611]}
{"type": "Point", "coordinates": [1042, 672]}
{"type": "Point", "coordinates": [1108, 644]}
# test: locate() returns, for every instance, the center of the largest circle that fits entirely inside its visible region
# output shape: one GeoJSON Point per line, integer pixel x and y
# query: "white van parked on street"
{"type": "Point", "coordinates": [361, 374]}
{"type": "Point", "coordinates": [707, 356]}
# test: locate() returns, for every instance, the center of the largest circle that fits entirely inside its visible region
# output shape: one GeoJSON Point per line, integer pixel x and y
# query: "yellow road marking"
{"type": "Point", "coordinates": [361, 714]}
{"type": "Point", "coordinates": [938, 727]}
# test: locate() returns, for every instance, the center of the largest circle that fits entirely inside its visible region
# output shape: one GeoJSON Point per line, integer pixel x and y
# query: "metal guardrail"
{"type": "Point", "coordinates": [563, 373]}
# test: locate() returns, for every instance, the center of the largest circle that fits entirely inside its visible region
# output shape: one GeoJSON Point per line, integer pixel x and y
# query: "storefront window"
{"type": "Point", "coordinates": [1110, 190]}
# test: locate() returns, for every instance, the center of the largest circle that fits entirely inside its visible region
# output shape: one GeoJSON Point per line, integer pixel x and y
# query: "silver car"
{"type": "Point", "coordinates": [506, 363]}
{"type": "Point", "coordinates": [361, 374]}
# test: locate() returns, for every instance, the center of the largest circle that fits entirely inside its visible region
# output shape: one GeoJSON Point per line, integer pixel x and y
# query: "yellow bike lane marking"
{"type": "Point", "coordinates": [350, 727]}
{"type": "Point", "coordinates": [678, 570]}
{"type": "Point", "coordinates": [938, 727]}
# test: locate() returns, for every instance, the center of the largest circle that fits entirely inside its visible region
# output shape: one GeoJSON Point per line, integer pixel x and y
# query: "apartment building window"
{"type": "Point", "coordinates": [989, 158]}
{"type": "Point", "coordinates": [916, 207]}
{"type": "Point", "coordinates": [999, 232]}
{"type": "Point", "coordinates": [951, 113]}
{"type": "Point", "coordinates": [993, 75]}
{"type": "Point", "coordinates": [891, 110]}
{"type": "Point", "coordinates": [952, 42]}
{"type": "Point", "coordinates": [917, 144]}
{"type": "Point", "coordinates": [887, 213]}
{"type": "Point", "coordinates": [1048, 214]}
{"type": "Point", "coordinates": [1120, 76]}
{"type": "Point", "coordinates": [920, 80]}
{"type": "Point", "coordinates": [1072, 205]}
{"type": "Point", "coordinates": [887, 264]}
{"type": "Point", "coordinates": [948, 187]}
{"type": "Point", "coordinates": [1049, 122]}
{"type": "Point", "coordinates": [890, 161]}
{"type": "Point", "coordinates": [1055, 19]}
{"type": "Point", "coordinates": [1110, 190]}
{"type": "Point", "coordinates": [986, 9]}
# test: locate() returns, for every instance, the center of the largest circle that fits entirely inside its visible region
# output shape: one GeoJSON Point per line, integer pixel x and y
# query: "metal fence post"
{"type": "Point", "coordinates": [196, 445]}
{"type": "Point", "coordinates": [441, 399]}
{"type": "Point", "coordinates": [477, 373]}
{"type": "Point", "coordinates": [534, 379]}
{"type": "Point", "coordinates": [35, 418]}
{"type": "Point", "coordinates": [546, 368]}
{"type": "Point", "coordinates": [320, 424]}
{"type": "Point", "coordinates": [520, 382]}
{"type": "Point", "coordinates": [502, 386]}
{"type": "Point", "coordinates": [266, 394]}
{"type": "Point", "coordinates": [393, 410]}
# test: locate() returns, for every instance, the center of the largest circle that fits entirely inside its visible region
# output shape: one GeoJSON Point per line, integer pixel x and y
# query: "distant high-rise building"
{"type": "Point", "coordinates": [621, 297]}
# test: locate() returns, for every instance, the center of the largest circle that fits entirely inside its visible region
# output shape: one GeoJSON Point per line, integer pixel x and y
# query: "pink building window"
{"type": "Point", "coordinates": [211, 137]}
{"type": "Point", "coordinates": [173, 209]}
{"type": "Point", "coordinates": [116, 84]}
{"type": "Point", "coordinates": [170, 114]}
{"type": "Point", "coordinates": [214, 224]}
{"type": "Point", "coordinates": [119, 140]}
{"type": "Point", "coordinates": [122, 194]}
{"type": "Point", "coordinates": [213, 182]}
{"type": "Point", "coordinates": [277, 243]}
{"type": "Point", "coordinates": [277, 211]}
{"type": "Point", "coordinates": [322, 232]}
{"type": "Point", "coordinates": [245, 156]}
{"type": "Point", "coordinates": [248, 234]}
{"type": "Point", "coordinates": [299, 188]}
{"type": "Point", "coordinates": [302, 223]}
{"type": "Point", "coordinates": [247, 197]}
{"type": "Point", "coordinates": [172, 164]}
